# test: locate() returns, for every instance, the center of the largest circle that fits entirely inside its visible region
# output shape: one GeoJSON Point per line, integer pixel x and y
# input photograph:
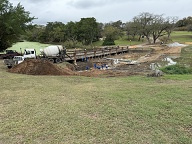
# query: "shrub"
{"type": "Point", "coordinates": [177, 69]}
{"type": "Point", "coordinates": [108, 42]}
{"type": "Point", "coordinates": [165, 39]}
{"type": "Point", "coordinates": [73, 44]}
{"type": "Point", "coordinates": [181, 29]}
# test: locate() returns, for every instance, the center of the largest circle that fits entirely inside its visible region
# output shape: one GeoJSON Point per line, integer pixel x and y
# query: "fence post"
{"type": "Point", "coordinates": [116, 50]}
{"type": "Point", "coordinates": [128, 49]}
{"type": "Point", "coordinates": [110, 51]}
{"type": "Point", "coordinates": [103, 54]}
{"type": "Point", "coordinates": [74, 57]}
{"type": "Point", "coordinates": [94, 53]}
{"type": "Point", "coordinates": [85, 54]}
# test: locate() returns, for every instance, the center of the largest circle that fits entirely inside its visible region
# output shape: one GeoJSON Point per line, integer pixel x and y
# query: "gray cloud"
{"type": "Point", "coordinates": [84, 4]}
{"type": "Point", "coordinates": [102, 10]}
{"type": "Point", "coordinates": [93, 3]}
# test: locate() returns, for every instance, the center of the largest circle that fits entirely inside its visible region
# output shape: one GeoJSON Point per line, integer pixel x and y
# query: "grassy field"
{"type": "Point", "coordinates": [121, 42]}
{"type": "Point", "coordinates": [60, 109]}
{"type": "Point", "coordinates": [186, 56]}
{"type": "Point", "coordinates": [181, 36]}
{"type": "Point", "coordinates": [24, 45]}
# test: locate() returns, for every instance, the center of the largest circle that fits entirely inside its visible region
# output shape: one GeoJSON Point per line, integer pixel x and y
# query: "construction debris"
{"type": "Point", "coordinates": [155, 73]}
{"type": "Point", "coordinates": [176, 44]}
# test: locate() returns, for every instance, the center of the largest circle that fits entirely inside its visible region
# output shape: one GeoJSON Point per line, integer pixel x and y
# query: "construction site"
{"type": "Point", "coordinates": [135, 60]}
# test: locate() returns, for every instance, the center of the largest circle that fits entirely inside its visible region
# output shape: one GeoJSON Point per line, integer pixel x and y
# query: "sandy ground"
{"type": "Point", "coordinates": [158, 52]}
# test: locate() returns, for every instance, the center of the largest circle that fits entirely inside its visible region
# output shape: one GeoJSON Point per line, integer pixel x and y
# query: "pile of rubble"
{"type": "Point", "coordinates": [176, 44]}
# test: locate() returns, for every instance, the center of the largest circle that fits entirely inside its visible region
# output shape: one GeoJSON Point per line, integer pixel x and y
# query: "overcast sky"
{"type": "Point", "coordinates": [103, 10]}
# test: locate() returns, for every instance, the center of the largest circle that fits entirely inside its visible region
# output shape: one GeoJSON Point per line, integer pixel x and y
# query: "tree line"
{"type": "Point", "coordinates": [16, 24]}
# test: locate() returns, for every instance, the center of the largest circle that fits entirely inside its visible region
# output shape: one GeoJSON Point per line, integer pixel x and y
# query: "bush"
{"type": "Point", "coordinates": [181, 29]}
{"type": "Point", "coordinates": [177, 69]}
{"type": "Point", "coordinates": [108, 42]}
{"type": "Point", "coordinates": [165, 39]}
{"type": "Point", "coordinates": [72, 44]}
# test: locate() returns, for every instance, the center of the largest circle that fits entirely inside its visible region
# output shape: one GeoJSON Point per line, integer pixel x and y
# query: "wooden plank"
{"type": "Point", "coordinates": [96, 52]}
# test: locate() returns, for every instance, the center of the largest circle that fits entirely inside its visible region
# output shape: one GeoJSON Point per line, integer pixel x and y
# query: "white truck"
{"type": "Point", "coordinates": [11, 62]}
{"type": "Point", "coordinates": [53, 53]}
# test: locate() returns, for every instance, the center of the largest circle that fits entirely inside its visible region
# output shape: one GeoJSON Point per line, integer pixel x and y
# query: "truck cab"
{"type": "Point", "coordinates": [29, 53]}
{"type": "Point", "coordinates": [18, 59]}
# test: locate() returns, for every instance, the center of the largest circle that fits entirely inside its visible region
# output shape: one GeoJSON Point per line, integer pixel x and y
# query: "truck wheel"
{"type": "Point", "coordinates": [9, 67]}
{"type": "Point", "coordinates": [51, 60]}
{"type": "Point", "coordinates": [58, 60]}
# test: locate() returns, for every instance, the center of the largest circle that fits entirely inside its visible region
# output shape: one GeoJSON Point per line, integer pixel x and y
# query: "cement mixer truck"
{"type": "Point", "coordinates": [53, 53]}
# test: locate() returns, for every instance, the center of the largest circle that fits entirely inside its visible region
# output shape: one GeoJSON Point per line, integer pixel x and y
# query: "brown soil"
{"type": "Point", "coordinates": [159, 52]}
{"type": "Point", "coordinates": [39, 67]}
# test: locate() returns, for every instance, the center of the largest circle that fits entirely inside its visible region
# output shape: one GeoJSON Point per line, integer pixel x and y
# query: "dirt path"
{"type": "Point", "coordinates": [159, 52]}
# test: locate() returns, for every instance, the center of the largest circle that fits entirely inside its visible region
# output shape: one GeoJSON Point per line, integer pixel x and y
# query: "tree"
{"type": "Point", "coordinates": [35, 33]}
{"type": "Point", "coordinates": [54, 32]}
{"type": "Point", "coordinates": [171, 23]}
{"type": "Point", "coordinates": [152, 25]}
{"type": "Point", "coordinates": [58, 32]}
{"type": "Point", "coordinates": [189, 28]}
{"type": "Point", "coordinates": [119, 25]}
{"type": "Point", "coordinates": [71, 32]}
{"type": "Point", "coordinates": [159, 27]}
{"type": "Point", "coordinates": [184, 24]}
{"type": "Point", "coordinates": [110, 33]}
{"type": "Point", "coordinates": [13, 23]}
{"type": "Point", "coordinates": [142, 21]}
{"type": "Point", "coordinates": [132, 29]}
{"type": "Point", "coordinates": [100, 30]}
{"type": "Point", "coordinates": [87, 30]}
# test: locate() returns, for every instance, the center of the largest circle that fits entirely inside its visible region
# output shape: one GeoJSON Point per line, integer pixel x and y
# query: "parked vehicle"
{"type": "Point", "coordinates": [54, 53]}
{"type": "Point", "coordinates": [9, 54]}
{"type": "Point", "coordinates": [11, 62]}
{"type": "Point", "coordinates": [29, 53]}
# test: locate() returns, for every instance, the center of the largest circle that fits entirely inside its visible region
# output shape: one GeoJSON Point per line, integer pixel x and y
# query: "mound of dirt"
{"type": "Point", "coordinates": [39, 67]}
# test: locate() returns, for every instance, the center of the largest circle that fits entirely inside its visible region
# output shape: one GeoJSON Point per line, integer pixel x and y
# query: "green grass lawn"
{"type": "Point", "coordinates": [186, 56]}
{"type": "Point", "coordinates": [63, 109]}
{"type": "Point", "coordinates": [181, 36]}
